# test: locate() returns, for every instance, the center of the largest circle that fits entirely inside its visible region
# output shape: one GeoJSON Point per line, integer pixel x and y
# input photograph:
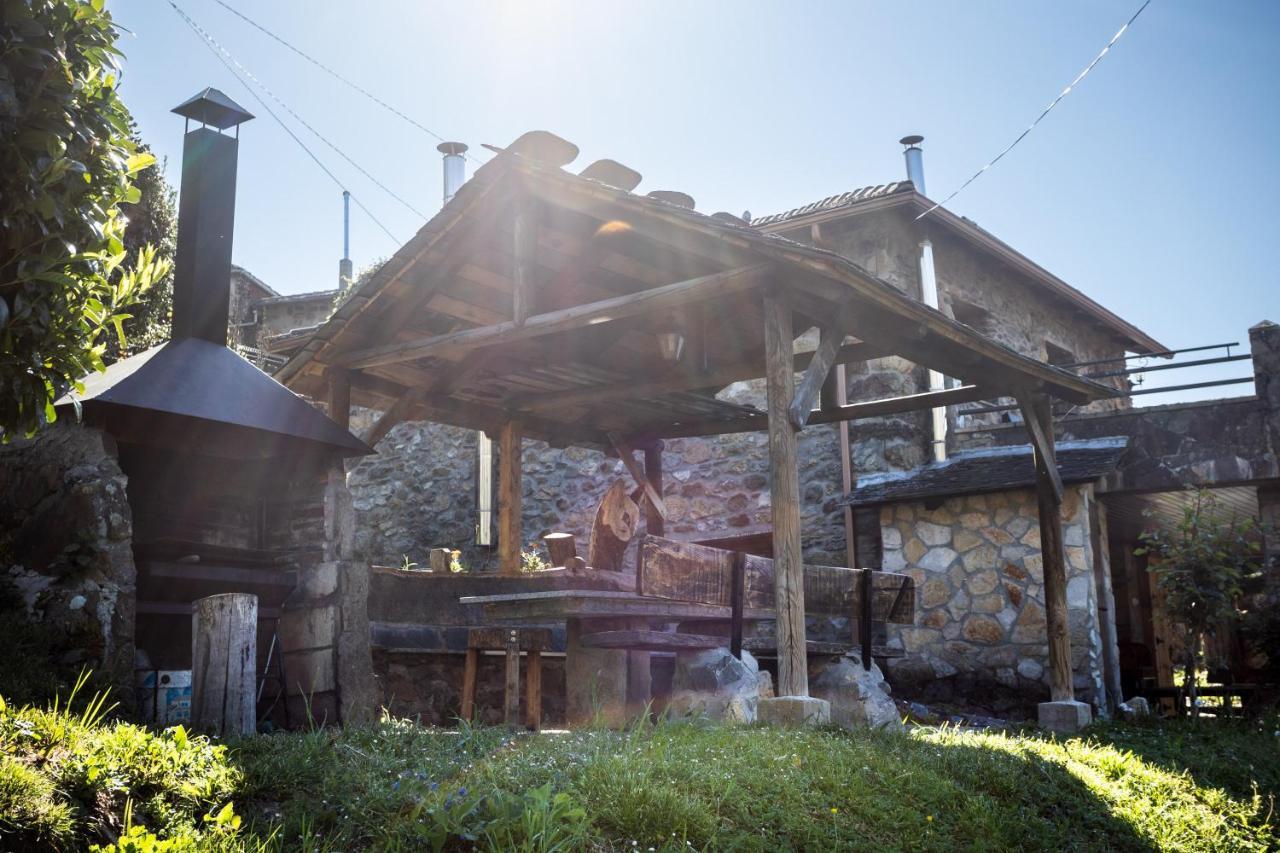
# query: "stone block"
{"type": "Point", "coordinates": [318, 580]}
{"type": "Point", "coordinates": [310, 628]}
{"type": "Point", "coordinates": [858, 697]}
{"type": "Point", "coordinates": [1135, 708]}
{"type": "Point", "coordinates": [794, 711]}
{"type": "Point", "coordinates": [1067, 716]}
{"type": "Point", "coordinates": [715, 684]}
{"type": "Point", "coordinates": [308, 672]}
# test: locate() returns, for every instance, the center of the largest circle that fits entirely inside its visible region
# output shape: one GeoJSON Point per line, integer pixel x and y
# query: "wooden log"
{"type": "Point", "coordinates": [784, 479]}
{"type": "Point", "coordinates": [440, 559]}
{"type": "Point", "coordinates": [510, 495]}
{"type": "Point", "coordinates": [613, 528]}
{"type": "Point", "coordinates": [815, 376]}
{"type": "Point", "coordinates": [561, 548]}
{"type": "Point", "coordinates": [1049, 504]}
{"type": "Point", "coordinates": [224, 658]}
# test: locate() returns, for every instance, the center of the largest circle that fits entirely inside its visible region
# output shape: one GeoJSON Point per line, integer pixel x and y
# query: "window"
{"type": "Point", "coordinates": [973, 316]}
{"type": "Point", "coordinates": [1058, 356]}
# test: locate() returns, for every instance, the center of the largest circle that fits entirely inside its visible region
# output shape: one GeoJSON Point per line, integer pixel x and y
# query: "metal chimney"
{"type": "Point", "coordinates": [345, 271]}
{"type": "Point", "coordinates": [915, 161]}
{"type": "Point", "coordinates": [206, 217]}
{"type": "Point", "coordinates": [455, 167]}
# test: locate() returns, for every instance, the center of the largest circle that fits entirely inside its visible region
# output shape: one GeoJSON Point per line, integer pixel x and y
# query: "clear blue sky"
{"type": "Point", "coordinates": [1152, 187]}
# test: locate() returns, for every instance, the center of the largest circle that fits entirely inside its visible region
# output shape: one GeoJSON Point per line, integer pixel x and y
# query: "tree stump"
{"type": "Point", "coordinates": [224, 657]}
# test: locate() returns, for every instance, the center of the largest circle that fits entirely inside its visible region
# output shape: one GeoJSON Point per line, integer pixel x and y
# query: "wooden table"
{"type": "Point", "coordinates": [599, 683]}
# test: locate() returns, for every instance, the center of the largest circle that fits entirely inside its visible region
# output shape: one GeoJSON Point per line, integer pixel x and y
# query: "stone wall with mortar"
{"type": "Point", "coordinates": [65, 544]}
{"type": "Point", "coordinates": [979, 635]}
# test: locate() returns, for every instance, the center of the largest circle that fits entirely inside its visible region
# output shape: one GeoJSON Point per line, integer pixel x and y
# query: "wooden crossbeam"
{"type": "Point", "coordinates": [679, 380]}
{"type": "Point", "coordinates": [627, 454]}
{"type": "Point", "coordinates": [815, 374]}
{"type": "Point", "coordinates": [663, 298]}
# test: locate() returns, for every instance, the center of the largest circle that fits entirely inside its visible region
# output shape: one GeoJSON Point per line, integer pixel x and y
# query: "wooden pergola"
{"type": "Point", "coordinates": [563, 307]}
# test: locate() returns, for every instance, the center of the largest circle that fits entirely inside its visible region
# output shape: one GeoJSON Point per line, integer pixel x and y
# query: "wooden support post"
{"type": "Point", "coordinates": [469, 672]}
{"type": "Point", "coordinates": [815, 377]}
{"type": "Point", "coordinates": [788, 566]}
{"type": "Point", "coordinates": [224, 660]}
{"type": "Point", "coordinates": [511, 695]}
{"type": "Point", "coordinates": [524, 263]}
{"type": "Point", "coordinates": [561, 548]}
{"type": "Point", "coordinates": [835, 393]}
{"type": "Point", "coordinates": [1039, 418]}
{"type": "Point", "coordinates": [533, 690]}
{"type": "Point", "coordinates": [340, 397]}
{"type": "Point", "coordinates": [654, 521]}
{"type": "Point", "coordinates": [864, 617]}
{"type": "Point", "coordinates": [510, 492]}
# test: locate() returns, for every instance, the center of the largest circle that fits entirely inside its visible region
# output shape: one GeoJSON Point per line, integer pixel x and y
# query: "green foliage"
{"type": "Point", "coordinates": [531, 560]}
{"type": "Point", "coordinates": [1201, 566]}
{"type": "Point", "coordinates": [69, 779]}
{"type": "Point", "coordinates": [66, 164]}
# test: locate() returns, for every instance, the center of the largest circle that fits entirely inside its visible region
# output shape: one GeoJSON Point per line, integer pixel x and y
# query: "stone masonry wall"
{"type": "Point", "coordinates": [65, 544]}
{"type": "Point", "coordinates": [980, 627]}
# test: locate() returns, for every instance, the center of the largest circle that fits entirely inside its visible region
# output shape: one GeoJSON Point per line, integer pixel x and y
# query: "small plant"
{"type": "Point", "coordinates": [406, 565]}
{"type": "Point", "coordinates": [455, 562]}
{"type": "Point", "coordinates": [531, 560]}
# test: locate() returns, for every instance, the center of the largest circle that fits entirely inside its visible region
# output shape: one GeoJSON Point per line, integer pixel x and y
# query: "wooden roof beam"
{"type": "Point", "coordinates": [578, 317]}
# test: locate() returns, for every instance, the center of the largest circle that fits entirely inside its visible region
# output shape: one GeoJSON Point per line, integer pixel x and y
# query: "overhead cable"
{"type": "Point", "coordinates": [225, 57]}
{"type": "Point", "coordinates": [339, 77]}
{"type": "Point", "coordinates": [1115, 38]}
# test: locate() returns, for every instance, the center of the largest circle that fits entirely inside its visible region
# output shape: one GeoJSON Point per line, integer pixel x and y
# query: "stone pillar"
{"type": "Point", "coordinates": [1264, 345]}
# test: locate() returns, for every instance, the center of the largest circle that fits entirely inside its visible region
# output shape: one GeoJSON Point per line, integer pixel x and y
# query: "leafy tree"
{"type": "Point", "coordinates": [66, 166]}
{"type": "Point", "coordinates": [1201, 566]}
{"type": "Point", "coordinates": [152, 221]}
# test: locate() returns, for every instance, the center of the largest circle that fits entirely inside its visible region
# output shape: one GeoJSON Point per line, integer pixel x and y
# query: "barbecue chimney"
{"type": "Point", "coordinates": [206, 216]}
{"type": "Point", "coordinates": [915, 161]}
{"type": "Point", "coordinates": [455, 167]}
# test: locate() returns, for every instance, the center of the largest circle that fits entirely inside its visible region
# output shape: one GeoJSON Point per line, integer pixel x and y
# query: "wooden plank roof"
{"type": "Point", "coordinates": [434, 333]}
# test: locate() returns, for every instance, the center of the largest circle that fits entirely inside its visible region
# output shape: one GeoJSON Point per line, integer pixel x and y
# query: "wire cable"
{"type": "Point", "coordinates": [225, 57]}
{"type": "Point", "coordinates": [1115, 38]}
{"type": "Point", "coordinates": [339, 77]}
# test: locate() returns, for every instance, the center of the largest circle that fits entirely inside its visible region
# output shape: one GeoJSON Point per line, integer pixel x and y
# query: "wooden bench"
{"type": "Point", "coordinates": [698, 574]}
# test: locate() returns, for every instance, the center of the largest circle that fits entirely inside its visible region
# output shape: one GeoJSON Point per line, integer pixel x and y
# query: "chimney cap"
{"type": "Point", "coordinates": [452, 148]}
{"type": "Point", "coordinates": [213, 108]}
{"type": "Point", "coordinates": [913, 139]}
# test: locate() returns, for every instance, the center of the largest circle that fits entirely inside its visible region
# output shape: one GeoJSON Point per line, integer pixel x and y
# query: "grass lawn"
{"type": "Point", "coordinates": [68, 782]}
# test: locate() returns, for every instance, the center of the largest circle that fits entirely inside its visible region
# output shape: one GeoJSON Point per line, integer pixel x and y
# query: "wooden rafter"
{"type": "Point", "coordinates": [815, 374]}
{"type": "Point", "coordinates": [627, 454]}
{"type": "Point", "coordinates": [578, 317]}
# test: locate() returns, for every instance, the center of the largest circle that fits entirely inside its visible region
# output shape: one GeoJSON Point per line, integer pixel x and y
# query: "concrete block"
{"type": "Point", "coordinates": [1066, 716]}
{"type": "Point", "coordinates": [794, 711]}
{"type": "Point", "coordinates": [311, 628]}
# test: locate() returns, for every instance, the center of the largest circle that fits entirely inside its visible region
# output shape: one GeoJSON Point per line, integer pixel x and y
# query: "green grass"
{"type": "Point", "coordinates": [66, 781]}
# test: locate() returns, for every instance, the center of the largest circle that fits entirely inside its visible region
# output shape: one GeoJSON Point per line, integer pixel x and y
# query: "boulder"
{"type": "Point", "coordinates": [1135, 708]}
{"type": "Point", "coordinates": [858, 697]}
{"type": "Point", "coordinates": [716, 685]}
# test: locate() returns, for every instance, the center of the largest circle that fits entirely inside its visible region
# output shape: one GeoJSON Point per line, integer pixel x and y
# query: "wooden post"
{"type": "Point", "coordinates": [533, 690]}
{"type": "Point", "coordinates": [224, 659]}
{"type": "Point", "coordinates": [469, 673]}
{"type": "Point", "coordinates": [510, 492]}
{"type": "Point", "coordinates": [835, 393]}
{"type": "Point", "coordinates": [654, 523]}
{"type": "Point", "coordinates": [784, 488]}
{"type": "Point", "coordinates": [1039, 418]}
{"type": "Point", "coordinates": [340, 397]}
{"type": "Point", "coordinates": [511, 695]}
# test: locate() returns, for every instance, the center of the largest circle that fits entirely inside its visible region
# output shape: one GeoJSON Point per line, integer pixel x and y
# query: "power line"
{"type": "Point", "coordinates": [339, 77]}
{"type": "Point", "coordinates": [1115, 38]}
{"type": "Point", "coordinates": [213, 43]}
